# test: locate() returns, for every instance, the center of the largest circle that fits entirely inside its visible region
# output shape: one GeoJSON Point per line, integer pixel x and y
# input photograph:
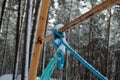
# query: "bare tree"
{"type": "Point", "coordinates": [107, 42]}
{"type": "Point", "coordinates": [2, 12]}
{"type": "Point", "coordinates": [28, 30]}
{"type": "Point", "coordinates": [17, 40]}
{"type": "Point", "coordinates": [5, 47]}
{"type": "Point", "coordinates": [25, 41]}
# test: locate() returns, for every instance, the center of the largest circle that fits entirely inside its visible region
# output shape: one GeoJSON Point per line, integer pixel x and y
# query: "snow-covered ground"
{"type": "Point", "coordinates": [9, 77]}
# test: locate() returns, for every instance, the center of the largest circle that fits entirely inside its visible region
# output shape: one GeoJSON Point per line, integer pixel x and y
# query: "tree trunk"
{"type": "Point", "coordinates": [35, 22]}
{"type": "Point", "coordinates": [108, 53]}
{"type": "Point", "coordinates": [38, 40]}
{"type": "Point", "coordinates": [28, 34]}
{"type": "Point", "coordinates": [17, 41]}
{"type": "Point", "coordinates": [67, 52]}
{"type": "Point", "coordinates": [2, 12]}
{"type": "Point", "coordinates": [5, 48]}
{"type": "Point", "coordinates": [44, 55]}
{"type": "Point", "coordinates": [25, 42]}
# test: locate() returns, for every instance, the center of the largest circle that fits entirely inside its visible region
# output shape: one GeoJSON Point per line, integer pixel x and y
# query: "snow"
{"type": "Point", "coordinates": [84, 7]}
{"type": "Point", "coordinates": [56, 4]}
{"type": "Point", "coordinates": [6, 77]}
{"type": "Point", "coordinates": [9, 77]}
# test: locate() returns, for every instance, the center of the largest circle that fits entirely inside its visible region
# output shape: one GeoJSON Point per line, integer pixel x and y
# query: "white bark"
{"type": "Point", "coordinates": [44, 55]}
{"type": "Point", "coordinates": [28, 39]}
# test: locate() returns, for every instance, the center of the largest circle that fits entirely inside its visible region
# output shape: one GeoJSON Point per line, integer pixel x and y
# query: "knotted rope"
{"type": "Point", "coordinates": [59, 40]}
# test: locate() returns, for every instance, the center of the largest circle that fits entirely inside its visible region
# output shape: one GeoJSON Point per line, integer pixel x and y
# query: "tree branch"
{"type": "Point", "coordinates": [85, 16]}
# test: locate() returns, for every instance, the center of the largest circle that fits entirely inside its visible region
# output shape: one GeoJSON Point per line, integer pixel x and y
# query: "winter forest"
{"type": "Point", "coordinates": [92, 30]}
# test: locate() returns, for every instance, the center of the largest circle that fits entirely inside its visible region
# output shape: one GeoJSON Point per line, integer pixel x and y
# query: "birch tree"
{"type": "Point", "coordinates": [29, 26]}
{"type": "Point", "coordinates": [27, 40]}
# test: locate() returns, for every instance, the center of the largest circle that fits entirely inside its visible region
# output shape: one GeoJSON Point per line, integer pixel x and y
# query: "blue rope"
{"type": "Point", "coordinates": [52, 64]}
{"type": "Point", "coordinates": [57, 44]}
{"type": "Point", "coordinates": [49, 69]}
{"type": "Point", "coordinates": [76, 55]}
{"type": "Point", "coordinates": [60, 42]}
{"type": "Point", "coordinates": [58, 58]}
